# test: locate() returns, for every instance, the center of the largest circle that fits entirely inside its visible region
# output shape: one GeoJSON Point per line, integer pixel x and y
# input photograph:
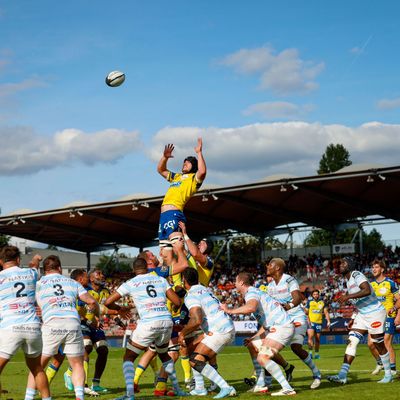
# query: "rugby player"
{"type": "Point", "coordinates": [285, 289]}
{"type": "Point", "coordinates": [149, 293]}
{"type": "Point", "coordinates": [315, 309]}
{"type": "Point", "coordinates": [19, 323]}
{"type": "Point", "coordinates": [183, 186]}
{"type": "Point", "coordinates": [387, 292]}
{"type": "Point", "coordinates": [205, 311]}
{"type": "Point", "coordinates": [370, 318]}
{"type": "Point", "coordinates": [56, 295]}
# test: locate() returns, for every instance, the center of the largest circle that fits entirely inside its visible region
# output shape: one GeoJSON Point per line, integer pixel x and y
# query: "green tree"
{"type": "Point", "coordinates": [4, 240]}
{"type": "Point", "coordinates": [372, 241]}
{"type": "Point", "coordinates": [335, 157]}
{"type": "Point", "coordinates": [111, 264]}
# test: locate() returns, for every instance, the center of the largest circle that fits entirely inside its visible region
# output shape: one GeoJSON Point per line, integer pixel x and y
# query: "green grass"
{"type": "Point", "coordinates": [234, 365]}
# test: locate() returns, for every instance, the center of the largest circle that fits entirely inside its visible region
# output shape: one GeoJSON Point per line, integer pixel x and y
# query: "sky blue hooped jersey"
{"type": "Point", "coordinates": [17, 297]}
{"type": "Point", "coordinates": [215, 320]}
{"type": "Point", "coordinates": [367, 304]}
{"type": "Point", "coordinates": [148, 292]}
{"type": "Point", "coordinates": [282, 290]}
{"type": "Point", "coordinates": [273, 311]}
{"type": "Point", "coordinates": [57, 295]}
{"type": "Point", "coordinates": [255, 294]}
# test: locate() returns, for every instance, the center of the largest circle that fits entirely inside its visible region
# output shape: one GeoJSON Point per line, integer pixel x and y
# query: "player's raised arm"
{"type": "Point", "coordinates": [35, 262]}
{"type": "Point", "coordinates": [162, 164]}
{"type": "Point", "coordinates": [202, 168]}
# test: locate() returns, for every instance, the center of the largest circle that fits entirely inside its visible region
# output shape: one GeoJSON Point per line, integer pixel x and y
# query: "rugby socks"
{"type": "Point", "coordinates": [69, 371]}
{"type": "Point", "coordinates": [51, 372]}
{"type": "Point", "coordinates": [273, 368]}
{"type": "Point", "coordinates": [86, 369]}
{"type": "Point", "coordinates": [79, 393]}
{"type": "Point", "coordinates": [187, 370]}
{"type": "Point", "coordinates": [344, 371]}
{"type": "Point", "coordinates": [138, 373]}
{"type": "Point", "coordinates": [199, 380]}
{"type": "Point", "coordinates": [260, 374]}
{"type": "Point", "coordinates": [310, 364]}
{"type": "Point", "coordinates": [30, 394]}
{"type": "Point", "coordinates": [170, 370]}
{"type": "Point", "coordinates": [154, 365]}
{"type": "Point", "coordinates": [161, 384]}
{"type": "Point", "coordinates": [213, 375]}
{"type": "Point", "coordinates": [386, 363]}
{"type": "Point", "coordinates": [393, 366]}
{"type": "Point", "coordinates": [129, 372]}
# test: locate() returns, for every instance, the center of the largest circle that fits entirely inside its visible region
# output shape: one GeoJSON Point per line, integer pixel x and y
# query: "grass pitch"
{"type": "Point", "coordinates": [234, 365]}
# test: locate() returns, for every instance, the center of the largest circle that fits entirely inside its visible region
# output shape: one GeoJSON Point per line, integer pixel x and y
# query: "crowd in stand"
{"type": "Point", "coordinates": [312, 271]}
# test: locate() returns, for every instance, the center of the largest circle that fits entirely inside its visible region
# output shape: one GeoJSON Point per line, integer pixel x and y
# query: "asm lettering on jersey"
{"type": "Point", "coordinates": [176, 184]}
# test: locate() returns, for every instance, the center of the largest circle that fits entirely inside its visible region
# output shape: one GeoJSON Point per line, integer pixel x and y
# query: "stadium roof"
{"type": "Point", "coordinates": [254, 208]}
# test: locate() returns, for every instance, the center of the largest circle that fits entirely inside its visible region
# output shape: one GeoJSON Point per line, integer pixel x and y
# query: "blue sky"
{"type": "Point", "coordinates": [267, 84]}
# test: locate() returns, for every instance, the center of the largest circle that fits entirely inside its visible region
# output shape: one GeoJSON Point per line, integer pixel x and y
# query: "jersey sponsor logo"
{"type": "Point", "coordinates": [272, 330]}
{"type": "Point", "coordinates": [297, 324]}
{"type": "Point", "coordinates": [376, 324]}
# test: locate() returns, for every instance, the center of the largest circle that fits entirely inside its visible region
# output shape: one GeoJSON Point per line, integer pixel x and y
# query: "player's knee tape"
{"type": "Point", "coordinates": [174, 348]}
{"type": "Point", "coordinates": [162, 350]}
{"type": "Point", "coordinates": [133, 348]}
{"type": "Point", "coordinates": [87, 342]}
{"type": "Point", "coordinates": [197, 365]}
{"type": "Point", "coordinates": [352, 343]}
{"type": "Point", "coordinates": [100, 343]}
{"type": "Point", "coordinates": [379, 339]}
{"type": "Point", "coordinates": [152, 347]}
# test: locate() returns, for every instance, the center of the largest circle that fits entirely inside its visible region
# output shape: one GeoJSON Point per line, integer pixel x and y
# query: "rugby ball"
{"type": "Point", "coordinates": [115, 78]}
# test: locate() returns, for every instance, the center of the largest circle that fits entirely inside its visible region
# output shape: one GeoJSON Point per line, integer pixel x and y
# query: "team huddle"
{"type": "Point", "coordinates": [179, 317]}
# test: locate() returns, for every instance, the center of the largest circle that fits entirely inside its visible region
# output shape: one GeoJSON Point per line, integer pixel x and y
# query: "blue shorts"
{"type": "Point", "coordinates": [95, 335]}
{"type": "Point", "coordinates": [316, 327]}
{"type": "Point", "coordinates": [390, 328]}
{"type": "Point", "coordinates": [169, 223]}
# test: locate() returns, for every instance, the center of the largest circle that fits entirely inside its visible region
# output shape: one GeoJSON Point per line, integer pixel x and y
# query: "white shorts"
{"type": "Point", "coordinates": [26, 337]}
{"type": "Point", "coordinates": [373, 322]}
{"type": "Point", "coordinates": [300, 332]}
{"type": "Point", "coordinates": [62, 331]}
{"type": "Point", "coordinates": [257, 342]}
{"type": "Point", "coordinates": [157, 332]}
{"type": "Point", "coordinates": [217, 341]}
{"type": "Point", "coordinates": [282, 334]}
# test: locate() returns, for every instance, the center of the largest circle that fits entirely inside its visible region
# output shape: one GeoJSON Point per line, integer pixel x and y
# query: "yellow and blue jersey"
{"type": "Point", "coordinates": [315, 311]}
{"type": "Point", "coordinates": [205, 271]}
{"type": "Point", "coordinates": [385, 291]}
{"type": "Point", "coordinates": [100, 296]}
{"type": "Point", "coordinates": [182, 188]}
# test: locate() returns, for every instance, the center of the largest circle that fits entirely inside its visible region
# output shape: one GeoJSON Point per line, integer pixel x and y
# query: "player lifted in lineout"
{"type": "Point", "coordinates": [182, 187]}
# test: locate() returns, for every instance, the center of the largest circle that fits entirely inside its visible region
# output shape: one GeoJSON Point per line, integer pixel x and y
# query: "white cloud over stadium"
{"type": "Point", "coordinates": [281, 72]}
{"type": "Point", "coordinates": [25, 152]}
{"type": "Point", "coordinates": [251, 152]}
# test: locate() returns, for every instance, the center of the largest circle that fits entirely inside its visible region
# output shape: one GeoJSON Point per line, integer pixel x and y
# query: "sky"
{"type": "Point", "coordinates": [266, 84]}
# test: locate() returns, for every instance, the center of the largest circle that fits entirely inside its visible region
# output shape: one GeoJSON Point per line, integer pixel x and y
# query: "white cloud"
{"type": "Point", "coordinates": [284, 73]}
{"type": "Point", "coordinates": [10, 89]}
{"type": "Point", "coordinates": [278, 109]}
{"type": "Point", "coordinates": [249, 153]}
{"type": "Point", "coordinates": [388, 104]}
{"type": "Point", "coordinates": [24, 152]}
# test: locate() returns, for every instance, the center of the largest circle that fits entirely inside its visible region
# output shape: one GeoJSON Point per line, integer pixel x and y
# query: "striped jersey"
{"type": "Point", "coordinates": [17, 297]}
{"type": "Point", "coordinates": [148, 292]}
{"type": "Point", "coordinates": [57, 295]}
{"type": "Point", "coordinates": [282, 291]}
{"type": "Point", "coordinates": [274, 313]}
{"type": "Point", "coordinates": [215, 320]}
{"type": "Point", "coordinates": [255, 294]}
{"type": "Point", "coordinates": [367, 304]}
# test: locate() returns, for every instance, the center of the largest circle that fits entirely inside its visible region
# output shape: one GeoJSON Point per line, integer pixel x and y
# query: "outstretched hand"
{"type": "Point", "coordinates": [182, 227]}
{"type": "Point", "coordinates": [168, 149]}
{"type": "Point", "coordinates": [199, 146]}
